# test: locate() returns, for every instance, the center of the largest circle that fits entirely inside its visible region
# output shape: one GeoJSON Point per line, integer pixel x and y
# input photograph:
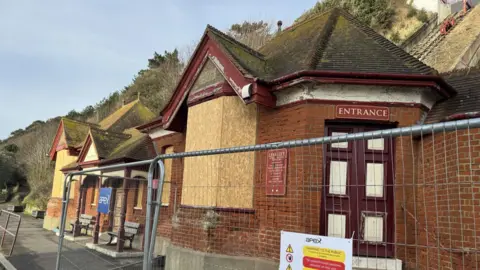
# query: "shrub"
{"type": "Point", "coordinates": [412, 12]}
{"type": "Point", "coordinates": [422, 16]}
{"type": "Point", "coordinates": [395, 37]}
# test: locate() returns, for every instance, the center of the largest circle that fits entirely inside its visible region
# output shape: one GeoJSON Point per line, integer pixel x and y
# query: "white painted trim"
{"type": "Point", "coordinates": [159, 132]}
{"type": "Point", "coordinates": [120, 173]}
{"type": "Point", "coordinates": [6, 263]}
{"type": "Point", "coordinates": [359, 93]}
{"type": "Point", "coordinates": [136, 173]}
{"type": "Point", "coordinates": [376, 263]}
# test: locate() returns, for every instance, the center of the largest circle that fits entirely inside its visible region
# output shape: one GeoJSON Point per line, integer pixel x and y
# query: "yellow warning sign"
{"type": "Point", "coordinates": [289, 267]}
{"type": "Point", "coordinates": [289, 249]}
{"type": "Point", "coordinates": [324, 253]}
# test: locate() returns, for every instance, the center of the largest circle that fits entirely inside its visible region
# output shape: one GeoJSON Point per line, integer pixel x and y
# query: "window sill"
{"type": "Point", "coordinates": [137, 208]}
{"type": "Point", "coordinates": [93, 204]}
{"type": "Point", "coordinates": [221, 209]}
{"type": "Point", "coordinates": [376, 263]}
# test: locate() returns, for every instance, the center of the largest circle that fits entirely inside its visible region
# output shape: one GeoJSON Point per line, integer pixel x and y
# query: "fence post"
{"type": "Point", "coordinates": [15, 238]}
{"type": "Point", "coordinates": [5, 230]}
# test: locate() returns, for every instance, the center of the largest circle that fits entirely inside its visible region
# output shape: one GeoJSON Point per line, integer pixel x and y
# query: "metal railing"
{"type": "Point", "coordinates": [6, 231]}
{"type": "Point", "coordinates": [153, 206]}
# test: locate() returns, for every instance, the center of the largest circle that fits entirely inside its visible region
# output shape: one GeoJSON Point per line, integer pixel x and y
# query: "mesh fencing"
{"type": "Point", "coordinates": [409, 200]}
{"type": "Point", "coordinates": [81, 251]}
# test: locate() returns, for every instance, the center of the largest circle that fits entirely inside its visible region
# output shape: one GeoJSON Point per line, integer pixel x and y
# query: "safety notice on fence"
{"type": "Point", "coordinates": [311, 252]}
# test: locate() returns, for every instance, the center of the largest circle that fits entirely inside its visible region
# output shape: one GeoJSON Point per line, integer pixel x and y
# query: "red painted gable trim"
{"type": "Point", "coordinates": [58, 135]}
{"type": "Point", "coordinates": [211, 92]}
{"type": "Point", "coordinates": [207, 49]}
{"type": "Point", "coordinates": [85, 148]}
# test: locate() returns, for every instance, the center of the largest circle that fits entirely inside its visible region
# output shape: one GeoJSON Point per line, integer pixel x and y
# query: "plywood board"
{"type": "Point", "coordinates": [168, 177]}
{"type": "Point", "coordinates": [200, 178]}
{"type": "Point", "coordinates": [239, 126]}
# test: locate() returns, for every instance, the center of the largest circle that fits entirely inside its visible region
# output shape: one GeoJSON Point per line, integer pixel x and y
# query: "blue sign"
{"type": "Point", "coordinates": [104, 200]}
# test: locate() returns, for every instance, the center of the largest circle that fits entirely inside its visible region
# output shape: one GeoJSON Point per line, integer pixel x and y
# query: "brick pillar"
{"type": "Point", "coordinates": [111, 208]}
{"type": "Point", "coordinates": [123, 213]}
{"type": "Point", "coordinates": [96, 231]}
{"type": "Point", "coordinates": [76, 226]}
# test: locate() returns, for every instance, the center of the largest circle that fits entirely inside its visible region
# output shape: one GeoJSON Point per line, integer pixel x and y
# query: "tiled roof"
{"type": "Point", "coordinates": [447, 50]}
{"type": "Point", "coordinates": [247, 60]}
{"type": "Point", "coordinates": [467, 100]}
{"type": "Point", "coordinates": [106, 141]}
{"type": "Point", "coordinates": [136, 147]}
{"type": "Point", "coordinates": [132, 144]}
{"type": "Point", "coordinates": [129, 115]}
{"type": "Point", "coordinates": [75, 131]}
{"type": "Point", "coordinates": [333, 41]}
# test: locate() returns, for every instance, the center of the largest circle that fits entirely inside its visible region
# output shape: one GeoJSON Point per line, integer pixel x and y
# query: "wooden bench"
{"type": "Point", "coordinates": [84, 222]}
{"type": "Point", "coordinates": [131, 229]}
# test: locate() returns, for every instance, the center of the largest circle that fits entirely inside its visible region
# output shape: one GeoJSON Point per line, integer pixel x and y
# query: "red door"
{"type": "Point", "coordinates": [358, 195]}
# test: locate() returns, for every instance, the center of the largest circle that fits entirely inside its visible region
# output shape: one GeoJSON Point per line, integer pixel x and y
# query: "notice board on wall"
{"type": "Point", "coordinates": [300, 251]}
{"type": "Point", "coordinates": [277, 162]}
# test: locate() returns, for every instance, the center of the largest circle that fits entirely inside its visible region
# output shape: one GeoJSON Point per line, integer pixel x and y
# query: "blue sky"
{"type": "Point", "coordinates": [56, 56]}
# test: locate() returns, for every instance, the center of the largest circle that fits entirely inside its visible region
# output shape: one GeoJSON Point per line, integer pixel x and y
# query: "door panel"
{"type": "Point", "coordinates": [358, 198]}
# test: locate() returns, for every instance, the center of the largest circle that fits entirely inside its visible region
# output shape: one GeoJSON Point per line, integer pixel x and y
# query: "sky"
{"type": "Point", "coordinates": [60, 55]}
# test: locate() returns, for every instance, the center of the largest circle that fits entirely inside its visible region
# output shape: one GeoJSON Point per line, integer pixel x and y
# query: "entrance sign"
{"type": "Point", "coordinates": [277, 162]}
{"type": "Point", "coordinates": [104, 200]}
{"type": "Point", "coordinates": [362, 112]}
{"type": "Point", "coordinates": [300, 251]}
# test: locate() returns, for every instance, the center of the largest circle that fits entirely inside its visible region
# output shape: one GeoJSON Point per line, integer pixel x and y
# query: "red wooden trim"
{"type": "Point", "coordinates": [85, 148]}
{"type": "Point", "coordinates": [58, 135]}
{"type": "Point", "coordinates": [221, 209]}
{"type": "Point", "coordinates": [88, 163]}
{"type": "Point", "coordinates": [355, 81]}
{"type": "Point", "coordinates": [205, 92]}
{"type": "Point", "coordinates": [337, 102]}
{"type": "Point", "coordinates": [150, 125]}
{"type": "Point", "coordinates": [208, 49]}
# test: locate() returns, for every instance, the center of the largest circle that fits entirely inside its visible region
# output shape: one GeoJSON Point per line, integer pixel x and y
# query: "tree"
{"type": "Point", "coordinates": [12, 148]}
{"type": "Point", "coordinates": [157, 83]}
{"type": "Point", "coordinates": [39, 168]}
{"type": "Point", "coordinates": [73, 114]}
{"type": "Point", "coordinates": [17, 132]}
{"type": "Point", "coordinates": [88, 111]}
{"type": "Point", "coordinates": [252, 34]}
{"type": "Point", "coordinates": [378, 14]}
{"type": "Point", "coordinates": [158, 60]}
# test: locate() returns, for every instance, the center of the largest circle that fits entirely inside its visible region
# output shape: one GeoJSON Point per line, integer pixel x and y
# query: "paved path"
{"type": "Point", "coordinates": [36, 248]}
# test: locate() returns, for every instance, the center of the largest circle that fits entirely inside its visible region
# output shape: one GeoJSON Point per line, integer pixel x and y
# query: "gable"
{"type": "Point", "coordinates": [92, 153]}
{"type": "Point", "coordinates": [209, 75]}
{"type": "Point", "coordinates": [207, 50]}
{"type": "Point", "coordinates": [57, 145]}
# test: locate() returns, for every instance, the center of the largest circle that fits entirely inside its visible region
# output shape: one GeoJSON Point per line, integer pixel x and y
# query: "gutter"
{"type": "Point", "coordinates": [371, 78]}
{"type": "Point", "coordinates": [461, 116]}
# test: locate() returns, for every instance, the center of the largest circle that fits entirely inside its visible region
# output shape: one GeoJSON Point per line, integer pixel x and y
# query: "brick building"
{"type": "Point", "coordinates": [326, 76]}
{"type": "Point", "coordinates": [114, 140]}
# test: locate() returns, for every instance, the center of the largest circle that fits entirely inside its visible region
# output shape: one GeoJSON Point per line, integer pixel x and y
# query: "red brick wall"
{"type": "Point", "coordinates": [447, 201]}
{"type": "Point", "coordinates": [177, 140]}
{"type": "Point", "coordinates": [257, 233]}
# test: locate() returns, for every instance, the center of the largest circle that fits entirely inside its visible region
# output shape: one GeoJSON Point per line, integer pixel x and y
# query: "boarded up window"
{"type": "Point", "coordinates": [168, 177]}
{"type": "Point", "coordinates": [220, 180]}
{"type": "Point", "coordinates": [139, 186]}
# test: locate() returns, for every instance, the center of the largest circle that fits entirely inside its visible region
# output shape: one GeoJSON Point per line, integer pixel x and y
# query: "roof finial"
{"type": "Point", "coordinates": [279, 25]}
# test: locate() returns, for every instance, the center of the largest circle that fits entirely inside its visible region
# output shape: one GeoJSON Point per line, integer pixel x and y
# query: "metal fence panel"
{"type": "Point", "coordinates": [407, 196]}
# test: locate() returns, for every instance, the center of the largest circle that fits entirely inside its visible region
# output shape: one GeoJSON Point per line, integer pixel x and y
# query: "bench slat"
{"type": "Point", "coordinates": [132, 224]}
